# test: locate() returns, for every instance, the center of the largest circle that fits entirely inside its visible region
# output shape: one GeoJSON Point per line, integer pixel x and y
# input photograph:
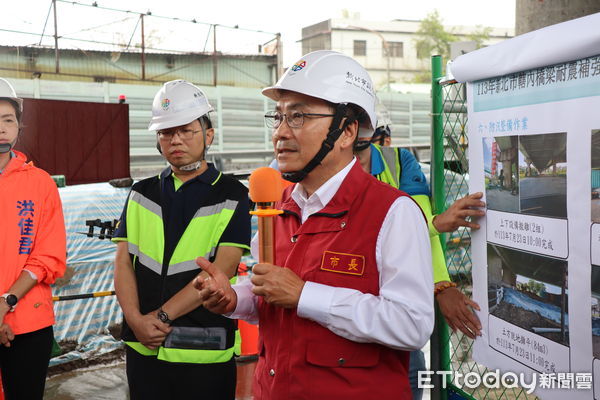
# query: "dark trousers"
{"type": "Point", "coordinates": [24, 365]}
{"type": "Point", "coordinates": [150, 378]}
{"type": "Point", "coordinates": [417, 363]}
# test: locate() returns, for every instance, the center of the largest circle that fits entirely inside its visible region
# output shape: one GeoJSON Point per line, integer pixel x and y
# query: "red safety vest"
{"type": "Point", "coordinates": [300, 359]}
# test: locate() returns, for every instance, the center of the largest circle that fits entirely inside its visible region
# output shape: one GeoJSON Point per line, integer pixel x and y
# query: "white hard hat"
{"type": "Point", "coordinates": [177, 103]}
{"type": "Point", "coordinates": [330, 76]}
{"type": "Point", "coordinates": [7, 91]}
{"type": "Point", "coordinates": [383, 115]}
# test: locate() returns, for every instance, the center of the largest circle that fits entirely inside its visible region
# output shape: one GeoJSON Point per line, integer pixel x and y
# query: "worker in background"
{"type": "Point", "coordinates": [383, 134]}
{"type": "Point", "coordinates": [351, 293]}
{"type": "Point", "coordinates": [400, 169]}
{"type": "Point", "coordinates": [32, 255]}
{"type": "Point", "coordinates": [174, 345]}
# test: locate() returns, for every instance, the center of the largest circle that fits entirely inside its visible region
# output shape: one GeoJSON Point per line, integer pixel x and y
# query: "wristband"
{"type": "Point", "coordinates": [442, 286]}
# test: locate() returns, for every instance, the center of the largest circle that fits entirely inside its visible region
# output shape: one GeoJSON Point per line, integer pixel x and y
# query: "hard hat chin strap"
{"type": "Point", "coordinates": [334, 133]}
{"type": "Point", "coordinates": [193, 166]}
{"type": "Point", "coordinates": [361, 145]}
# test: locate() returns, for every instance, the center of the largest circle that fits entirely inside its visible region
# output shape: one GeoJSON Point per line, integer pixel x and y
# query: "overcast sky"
{"type": "Point", "coordinates": [287, 18]}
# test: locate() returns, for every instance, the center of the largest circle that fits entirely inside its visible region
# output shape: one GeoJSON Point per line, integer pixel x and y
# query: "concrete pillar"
{"type": "Point", "coordinates": [509, 277]}
{"type": "Point", "coordinates": [494, 267]}
{"type": "Point", "coordinates": [36, 88]}
{"type": "Point", "coordinates": [536, 14]}
{"type": "Point", "coordinates": [508, 177]}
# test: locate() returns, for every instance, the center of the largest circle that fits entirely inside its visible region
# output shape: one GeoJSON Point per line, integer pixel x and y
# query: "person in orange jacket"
{"type": "Point", "coordinates": [32, 256]}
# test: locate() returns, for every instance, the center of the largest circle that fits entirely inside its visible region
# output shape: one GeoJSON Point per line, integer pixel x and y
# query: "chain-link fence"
{"type": "Point", "coordinates": [452, 351]}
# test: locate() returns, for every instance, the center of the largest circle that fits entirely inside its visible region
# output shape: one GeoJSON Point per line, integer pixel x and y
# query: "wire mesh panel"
{"type": "Point", "coordinates": [451, 174]}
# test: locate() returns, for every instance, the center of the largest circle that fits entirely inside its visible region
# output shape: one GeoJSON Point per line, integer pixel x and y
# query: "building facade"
{"type": "Point", "coordinates": [387, 49]}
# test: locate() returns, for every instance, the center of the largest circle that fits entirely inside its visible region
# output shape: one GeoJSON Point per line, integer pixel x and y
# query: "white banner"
{"type": "Point", "coordinates": [571, 40]}
{"type": "Point", "coordinates": [534, 150]}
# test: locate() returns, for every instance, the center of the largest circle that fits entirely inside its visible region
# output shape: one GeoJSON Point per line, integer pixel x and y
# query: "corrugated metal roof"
{"type": "Point", "coordinates": [86, 65]}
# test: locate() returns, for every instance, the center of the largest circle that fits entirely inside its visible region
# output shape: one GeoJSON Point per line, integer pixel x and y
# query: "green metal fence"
{"type": "Point", "coordinates": [449, 176]}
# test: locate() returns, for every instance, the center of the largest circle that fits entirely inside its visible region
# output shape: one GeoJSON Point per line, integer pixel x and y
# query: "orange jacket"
{"type": "Point", "coordinates": [32, 237]}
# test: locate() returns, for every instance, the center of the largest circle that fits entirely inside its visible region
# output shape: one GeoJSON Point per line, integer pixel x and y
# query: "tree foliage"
{"type": "Point", "coordinates": [480, 35]}
{"type": "Point", "coordinates": [433, 38]}
{"type": "Point", "coordinates": [537, 288]}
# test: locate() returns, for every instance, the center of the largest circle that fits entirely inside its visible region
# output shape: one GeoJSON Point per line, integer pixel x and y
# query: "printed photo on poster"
{"type": "Point", "coordinates": [500, 158]}
{"type": "Point", "coordinates": [543, 174]}
{"type": "Point", "coordinates": [596, 176]}
{"type": "Point", "coordinates": [596, 310]}
{"type": "Point", "coordinates": [595, 195]}
{"type": "Point", "coordinates": [529, 291]}
{"type": "Point", "coordinates": [595, 313]}
{"type": "Point", "coordinates": [527, 174]}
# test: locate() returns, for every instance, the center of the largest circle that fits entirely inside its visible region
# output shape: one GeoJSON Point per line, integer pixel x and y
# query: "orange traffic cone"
{"type": "Point", "coordinates": [249, 335]}
{"type": "Point", "coordinates": [1, 389]}
{"type": "Point", "coordinates": [248, 332]}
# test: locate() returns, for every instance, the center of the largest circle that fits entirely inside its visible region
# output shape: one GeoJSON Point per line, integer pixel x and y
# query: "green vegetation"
{"type": "Point", "coordinates": [435, 39]}
{"type": "Point", "coordinates": [537, 288]}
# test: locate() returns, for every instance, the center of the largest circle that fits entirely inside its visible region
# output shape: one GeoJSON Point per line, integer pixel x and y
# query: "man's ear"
{"type": "Point", "coordinates": [210, 135]}
{"type": "Point", "coordinates": [158, 147]}
{"type": "Point", "coordinates": [348, 137]}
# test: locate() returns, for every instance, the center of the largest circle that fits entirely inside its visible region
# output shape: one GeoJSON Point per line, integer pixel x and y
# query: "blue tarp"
{"type": "Point", "coordinates": [596, 326]}
{"type": "Point", "coordinates": [89, 269]}
{"type": "Point", "coordinates": [548, 311]}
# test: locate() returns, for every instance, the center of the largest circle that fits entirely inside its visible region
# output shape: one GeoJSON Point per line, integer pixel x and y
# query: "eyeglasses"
{"type": "Point", "coordinates": [273, 119]}
{"type": "Point", "coordinates": [166, 135]}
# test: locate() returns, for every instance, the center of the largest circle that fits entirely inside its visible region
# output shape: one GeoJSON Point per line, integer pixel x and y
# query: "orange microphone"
{"type": "Point", "coordinates": [265, 189]}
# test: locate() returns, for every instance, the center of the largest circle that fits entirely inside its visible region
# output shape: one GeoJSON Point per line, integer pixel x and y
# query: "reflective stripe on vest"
{"type": "Point", "coordinates": [140, 348]}
{"type": "Point", "coordinates": [392, 168]}
{"type": "Point", "coordinates": [195, 356]}
{"type": "Point", "coordinates": [206, 228]}
{"type": "Point", "coordinates": [205, 240]}
{"type": "Point", "coordinates": [191, 356]}
{"type": "Point", "coordinates": [147, 244]}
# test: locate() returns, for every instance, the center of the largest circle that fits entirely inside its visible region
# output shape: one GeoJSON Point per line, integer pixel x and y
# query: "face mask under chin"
{"type": "Point", "coordinates": [5, 147]}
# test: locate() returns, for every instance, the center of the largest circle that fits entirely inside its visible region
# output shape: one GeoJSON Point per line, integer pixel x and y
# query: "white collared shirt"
{"type": "Point", "coordinates": [322, 196]}
{"type": "Point", "coordinates": [402, 315]}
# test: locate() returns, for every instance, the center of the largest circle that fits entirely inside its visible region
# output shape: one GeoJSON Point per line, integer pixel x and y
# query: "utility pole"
{"type": "Point", "coordinates": [279, 71]}
{"type": "Point", "coordinates": [143, 49]}
{"type": "Point", "coordinates": [56, 55]}
{"type": "Point", "coordinates": [215, 55]}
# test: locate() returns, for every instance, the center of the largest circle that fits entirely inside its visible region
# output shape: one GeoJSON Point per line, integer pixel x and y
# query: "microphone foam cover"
{"type": "Point", "coordinates": [265, 185]}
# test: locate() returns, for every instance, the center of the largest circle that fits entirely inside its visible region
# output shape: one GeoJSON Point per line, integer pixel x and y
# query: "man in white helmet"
{"type": "Point", "coordinates": [174, 345]}
{"type": "Point", "coordinates": [32, 256]}
{"type": "Point", "coordinates": [352, 290]}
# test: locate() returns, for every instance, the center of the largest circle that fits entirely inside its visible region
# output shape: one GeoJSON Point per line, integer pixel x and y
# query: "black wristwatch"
{"type": "Point", "coordinates": [163, 316]}
{"type": "Point", "coordinates": [11, 300]}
